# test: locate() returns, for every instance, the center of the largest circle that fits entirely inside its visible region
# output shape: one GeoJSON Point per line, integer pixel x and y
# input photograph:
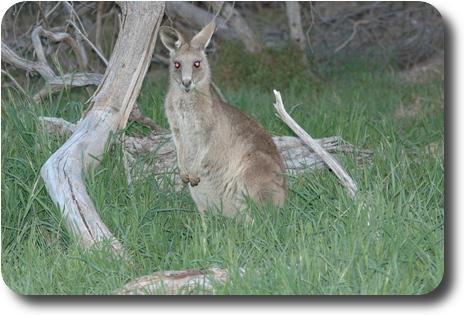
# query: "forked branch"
{"type": "Point", "coordinates": [56, 83]}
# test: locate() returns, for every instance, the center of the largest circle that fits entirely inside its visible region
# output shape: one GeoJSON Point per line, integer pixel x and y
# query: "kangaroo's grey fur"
{"type": "Point", "coordinates": [222, 152]}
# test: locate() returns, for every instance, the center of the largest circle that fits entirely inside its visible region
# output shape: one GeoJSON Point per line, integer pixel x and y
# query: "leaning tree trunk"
{"type": "Point", "coordinates": [108, 111]}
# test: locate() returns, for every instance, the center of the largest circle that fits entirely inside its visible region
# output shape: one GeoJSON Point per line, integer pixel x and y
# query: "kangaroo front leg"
{"type": "Point", "coordinates": [183, 172]}
{"type": "Point", "coordinates": [194, 175]}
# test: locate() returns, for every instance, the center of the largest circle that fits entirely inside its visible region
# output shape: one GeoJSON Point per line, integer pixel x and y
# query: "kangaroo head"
{"type": "Point", "coordinates": [189, 66]}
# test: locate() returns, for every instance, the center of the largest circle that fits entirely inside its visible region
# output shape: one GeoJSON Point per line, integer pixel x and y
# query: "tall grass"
{"type": "Point", "coordinates": [389, 241]}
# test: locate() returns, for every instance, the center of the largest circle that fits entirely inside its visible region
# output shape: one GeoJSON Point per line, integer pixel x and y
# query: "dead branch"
{"type": "Point", "coordinates": [39, 66]}
{"type": "Point", "coordinates": [200, 280]}
{"type": "Point", "coordinates": [355, 26]}
{"type": "Point", "coordinates": [137, 115]}
{"type": "Point", "coordinates": [314, 145]}
{"type": "Point", "coordinates": [68, 80]}
{"type": "Point", "coordinates": [97, 50]}
{"type": "Point", "coordinates": [58, 37]}
{"type": "Point", "coordinates": [59, 126]}
{"type": "Point", "coordinates": [15, 83]}
{"type": "Point", "coordinates": [42, 67]}
{"type": "Point", "coordinates": [300, 157]}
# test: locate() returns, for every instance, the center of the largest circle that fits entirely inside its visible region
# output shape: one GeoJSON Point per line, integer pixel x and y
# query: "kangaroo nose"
{"type": "Point", "coordinates": [187, 83]}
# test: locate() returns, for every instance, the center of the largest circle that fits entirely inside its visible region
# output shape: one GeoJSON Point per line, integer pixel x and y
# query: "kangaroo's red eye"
{"type": "Point", "coordinates": [177, 65]}
{"type": "Point", "coordinates": [196, 64]}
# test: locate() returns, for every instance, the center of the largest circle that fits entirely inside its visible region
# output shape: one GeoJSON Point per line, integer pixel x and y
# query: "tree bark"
{"type": "Point", "coordinates": [108, 111]}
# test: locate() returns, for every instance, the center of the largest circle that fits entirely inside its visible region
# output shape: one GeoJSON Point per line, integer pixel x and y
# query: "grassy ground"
{"type": "Point", "coordinates": [389, 241]}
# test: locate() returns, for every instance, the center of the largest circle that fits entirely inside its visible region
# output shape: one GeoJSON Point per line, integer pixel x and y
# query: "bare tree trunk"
{"type": "Point", "coordinates": [109, 110]}
{"type": "Point", "coordinates": [296, 31]}
{"type": "Point", "coordinates": [294, 22]}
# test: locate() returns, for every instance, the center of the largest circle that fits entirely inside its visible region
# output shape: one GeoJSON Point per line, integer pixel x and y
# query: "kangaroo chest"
{"type": "Point", "coordinates": [191, 114]}
{"type": "Point", "coordinates": [194, 120]}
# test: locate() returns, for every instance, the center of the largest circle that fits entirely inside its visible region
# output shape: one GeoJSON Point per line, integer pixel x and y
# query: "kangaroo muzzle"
{"type": "Point", "coordinates": [187, 85]}
{"type": "Point", "coordinates": [186, 82]}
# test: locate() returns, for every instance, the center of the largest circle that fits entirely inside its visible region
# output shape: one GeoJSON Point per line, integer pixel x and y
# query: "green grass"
{"type": "Point", "coordinates": [389, 241]}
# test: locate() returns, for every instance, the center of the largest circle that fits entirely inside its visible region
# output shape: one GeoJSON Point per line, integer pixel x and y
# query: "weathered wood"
{"type": "Point", "coordinates": [200, 280]}
{"type": "Point", "coordinates": [298, 156]}
{"type": "Point", "coordinates": [56, 84]}
{"type": "Point", "coordinates": [345, 179]}
{"type": "Point", "coordinates": [39, 66]}
{"type": "Point", "coordinates": [108, 111]}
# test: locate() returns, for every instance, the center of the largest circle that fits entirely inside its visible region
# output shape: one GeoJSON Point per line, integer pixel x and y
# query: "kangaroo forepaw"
{"type": "Point", "coordinates": [185, 178]}
{"type": "Point", "coordinates": [194, 181]}
{"type": "Point", "coordinates": [188, 179]}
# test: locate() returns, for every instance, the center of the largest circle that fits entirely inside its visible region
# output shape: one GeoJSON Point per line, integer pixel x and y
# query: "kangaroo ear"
{"type": "Point", "coordinates": [171, 38]}
{"type": "Point", "coordinates": [202, 39]}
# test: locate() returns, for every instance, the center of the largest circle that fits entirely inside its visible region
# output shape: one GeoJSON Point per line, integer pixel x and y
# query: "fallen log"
{"type": "Point", "coordinates": [298, 156]}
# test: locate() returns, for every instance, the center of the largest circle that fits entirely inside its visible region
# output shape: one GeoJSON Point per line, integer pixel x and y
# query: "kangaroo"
{"type": "Point", "coordinates": [222, 152]}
